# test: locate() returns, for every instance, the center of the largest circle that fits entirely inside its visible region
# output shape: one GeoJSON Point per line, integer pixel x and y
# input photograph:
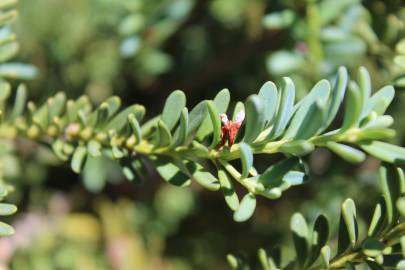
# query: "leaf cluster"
{"type": "Point", "coordinates": [382, 247]}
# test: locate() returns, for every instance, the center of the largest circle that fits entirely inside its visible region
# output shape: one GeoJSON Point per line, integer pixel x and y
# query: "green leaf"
{"type": "Point", "coordinates": [263, 259]}
{"type": "Point", "coordinates": [274, 175]}
{"type": "Point", "coordinates": [384, 151]}
{"type": "Point", "coordinates": [278, 20]}
{"type": "Point", "coordinates": [78, 159]}
{"type": "Point", "coordinates": [310, 112]}
{"type": "Point", "coordinates": [95, 173]}
{"type": "Point", "coordinates": [133, 122]}
{"type": "Point", "coordinates": [353, 107]}
{"type": "Point", "coordinates": [196, 116]}
{"type": "Point", "coordinates": [58, 149]}
{"type": "Point", "coordinates": [346, 152]}
{"type": "Point", "coordinates": [232, 261]}
{"type": "Point", "coordinates": [94, 148]}
{"type": "Point", "coordinates": [401, 206]}
{"type": "Point", "coordinates": [180, 135]}
{"type": "Point", "coordinates": [391, 183]}
{"type": "Point", "coordinates": [164, 138]}
{"type": "Point", "coordinates": [337, 96]}
{"type": "Point", "coordinates": [19, 102]}
{"type": "Point", "coordinates": [216, 123]}
{"type": "Point", "coordinates": [312, 122]}
{"type": "Point", "coordinates": [221, 103]}
{"type": "Point", "coordinates": [118, 152]}
{"type": "Point", "coordinates": [269, 96]}
{"type": "Point", "coordinates": [373, 265]}
{"type": "Point", "coordinates": [246, 156]}
{"type": "Point", "coordinates": [149, 126]}
{"type": "Point", "coordinates": [56, 104]}
{"type": "Point", "coordinates": [329, 10]}
{"type": "Point", "coordinates": [40, 116]}
{"type": "Point", "coordinates": [231, 198]}
{"type": "Point", "coordinates": [255, 118]}
{"type": "Point", "coordinates": [378, 219]}
{"type": "Point", "coordinates": [6, 229]}
{"type": "Point", "coordinates": [348, 231]}
{"type": "Point", "coordinates": [365, 87]}
{"type": "Point", "coordinates": [173, 107]}
{"type": "Point", "coordinates": [18, 71]}
{"type": "Point", "coordinates": [297, 148]}
{"type": "Point", "coordinates": [238, 108]}
{"type": "Point", "coordinates": [285, 109]}
{"type": "Point", "coordinates": [199, 174]}
{"type": "Point", "coordinates": [370, 134]}
{"type": "Point", "coordinates": [246, 208]}
{"type": "Point", "coordinates": [170, 171]}
{"type": "Point", "coordinates": [319, 237]}
{"type": "Point", "coordinates": [372, 247]}
{"type": "Point", "coordinates": [5, 90]}
{"type": "Point", "coordinates": [110, 106]}
{"type": "Point", "coordinates": [73, 107]}
{"type": "Point", "coordinates": [200, 150]}
{"type": "Point", "coordinates": [120, 120]}
{"type": "Point", "coordinates": [383, 121]}
{"type": "Point", "coordinates": [134, 169]}
{"type": "Point", "coordinates": [325, 256]}
{"type": "Point", "coordinates": [300, 233]}
{"type": "Point", "coordinates": [7, 209]}
{"type": "Point", "coordinates": [294, 178]}
{"type": "Point", "coordinates": [380, 101]}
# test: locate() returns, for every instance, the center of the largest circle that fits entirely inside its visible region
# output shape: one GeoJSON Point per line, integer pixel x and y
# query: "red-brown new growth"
{"type": "Point", "coordinates": [229, 129]}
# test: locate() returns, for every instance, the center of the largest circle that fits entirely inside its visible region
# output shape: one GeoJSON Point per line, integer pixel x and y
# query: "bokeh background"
{"type": "Point", "coordinates": [141, 50]}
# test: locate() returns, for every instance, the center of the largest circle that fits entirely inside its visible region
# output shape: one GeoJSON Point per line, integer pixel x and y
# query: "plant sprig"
{"type": "Point", "coordinates": [181, 143]}
{"type": "Point", "coordinates": [383, 246]}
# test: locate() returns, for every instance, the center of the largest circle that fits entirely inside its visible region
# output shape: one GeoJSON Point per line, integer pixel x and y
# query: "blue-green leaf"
{"type": "Point", "coordinates": [7, 209]}
{"type": "Point", "coordinates": [230, 195]}
{"type": "Point", "coordinates": [269, 96]}
{"type": "Point", "coordinates": [348, 231]}
{"type": "Point", "coordinates": [273, 176]}
{"type": "Point", "coordinates": [353, 107]}
{"type": "Point", "coordinates": [169, 169]}
{"type": "Point", "coordinates": [246, 208]}
{"type": "Point", "coordinates": [297, 148]}
{"type": "Point", "coordinates": [202, 176]}
{"type": "Point", "coordinates": [346, 152]}
{"type": "Point", "coordinates": [246, 158]}
{"type": "Point", "coordinates": [180, 135]}
{"type": "Point", "coordinates": [172, 110]}
{"type": "Point", "coordinates": [78, 159]}
{"type": "Point", "coordinates": [337, 95]}
{"type": "Point", "coordinates": [164, 137]}
{"type": "Point", "coordinates": [196, 116]}
{"type": "Point", "coordinates": [216, 123]}
{"type": "Point", "coordinates": [119, 121]}
{"type": "Point", "coordinates": [255, 118]}
{"type": "Point", "coordinates": [385, 151]}
{"type": "Point", "coordinates": [19, 102]}
{"type": "Point", "coordinates": [136, 129]}
{"type": "Point", "coordinates": [300, 232]}
{"type": "Point", "coordinates": [380, 101]}
{"type": "Point", "coordinates": [221, 103]}
{"type": "Point", "coordinates": [285, 108]}
{"type": "Point", "coordinates": [391, 182]}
